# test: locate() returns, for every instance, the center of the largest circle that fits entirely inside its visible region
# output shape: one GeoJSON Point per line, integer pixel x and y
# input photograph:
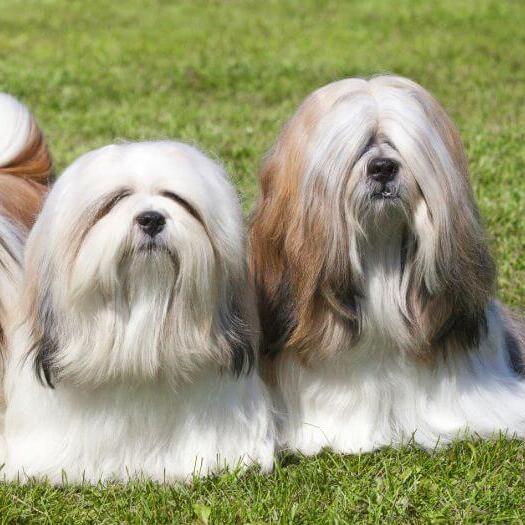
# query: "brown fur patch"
{"type": "Point", "coordinates": [34, 162]}
{"type": "Point", "coordinates": [289, 247]}
{"type": "Point", "coordinates": [23, 181]}
{"type": "Point", "coordinates": [21, 199]}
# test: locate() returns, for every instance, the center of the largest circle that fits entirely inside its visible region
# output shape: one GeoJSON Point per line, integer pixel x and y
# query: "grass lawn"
{"type": "Point", "coordinates": [226, 75]}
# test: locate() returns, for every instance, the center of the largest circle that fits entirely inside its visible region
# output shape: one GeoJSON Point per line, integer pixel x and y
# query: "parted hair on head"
{"type": "Point", "coordinates": [369, 179]}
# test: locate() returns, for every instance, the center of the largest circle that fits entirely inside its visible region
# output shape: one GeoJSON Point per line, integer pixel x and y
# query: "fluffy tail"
{"type": "Point", "coordinates": [25, 162]}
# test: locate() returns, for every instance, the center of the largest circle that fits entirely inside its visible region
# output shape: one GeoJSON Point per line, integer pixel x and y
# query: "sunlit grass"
{"type": "Point", "coordinates": [226, 75]}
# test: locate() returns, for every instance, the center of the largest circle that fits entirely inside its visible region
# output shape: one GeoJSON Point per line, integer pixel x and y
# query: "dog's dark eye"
{"type": "Point", "coordinates": [117, 198]}
{"type": "Point", "coordinates": [110, 202]}
{"type": "Point", "coordinates": [368, 146]}
{"type": "Point", "coordinates": [103, 208]}
{"type": "Point", "coordinates": [184, 203]}
{"type": "Point", "coordinates": [390, 144]}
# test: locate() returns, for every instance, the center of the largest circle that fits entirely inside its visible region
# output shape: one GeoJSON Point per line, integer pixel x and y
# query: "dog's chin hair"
{"type": "Point", "coordinates": [131, 335]}
{"type": "Point", "coordinates": [154, 321]}
{"type": "Point", "coordinates": [381, 214]}
{"type": "Point", "coordinates": [149, 254]}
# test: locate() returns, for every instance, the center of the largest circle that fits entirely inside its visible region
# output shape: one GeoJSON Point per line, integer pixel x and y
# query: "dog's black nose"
{"type": "Point", "coordinates": [151, 222]}
{"type": "Point", "coordinates": [383, 170]}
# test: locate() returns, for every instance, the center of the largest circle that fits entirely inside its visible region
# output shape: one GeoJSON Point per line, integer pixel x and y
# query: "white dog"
{"type": "Point", "coordinates": [374, 278]}
{"type": "Point", "coordinates": [137, 354]}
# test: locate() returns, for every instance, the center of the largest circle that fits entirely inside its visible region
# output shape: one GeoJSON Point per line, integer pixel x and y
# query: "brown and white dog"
{"type": "Point", "coordinates": [25, 166]}
{"type": "Point", "coordinates": [375, 283]}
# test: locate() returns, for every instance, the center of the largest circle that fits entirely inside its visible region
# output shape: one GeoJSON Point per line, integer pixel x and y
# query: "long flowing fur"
{"type": "Point", "coordinates": [25, 166]}
{"type": "Point", "coordinates": [136, 354]}
{"type": "Point", "coordinates": [378, 317]}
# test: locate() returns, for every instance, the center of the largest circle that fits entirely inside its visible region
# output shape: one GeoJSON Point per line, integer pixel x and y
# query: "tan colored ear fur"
{"type": "Point", "coordinates": [289, 246]}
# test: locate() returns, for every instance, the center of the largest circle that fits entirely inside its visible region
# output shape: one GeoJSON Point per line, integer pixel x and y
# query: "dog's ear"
{"type": "Point", "coordinates": [453, 271]}
{"type": "Point", "coordinates": [44, 347]}
{"type": "Point", "coordinates": [465, 274]}
{"type": "Point", "coordinates": [267, 257]}
{"type": "Point", "coordinates": [42, 324]}
{"type": "Point", "coordinates": [44, 344]}
{"type": "Point", "coordinates": [303, 285]}
{"type": "Point", "coordinates": [450, 313]}
{"type": "Point", "coordinates": [277, 315]}
{"type": "Point", "coordinates": [239, 329]}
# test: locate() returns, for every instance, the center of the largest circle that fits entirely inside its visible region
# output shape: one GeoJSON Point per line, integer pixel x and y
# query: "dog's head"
{"type": "Point", "coordinates": [136, 266]}
{"type": "Point", "coordinates": [360, 162]}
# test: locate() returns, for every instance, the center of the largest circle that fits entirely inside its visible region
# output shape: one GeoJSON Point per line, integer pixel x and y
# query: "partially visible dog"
{"type": "Point", "coordinates": [137, 352]}
{"type": "Point", "coordinates": [375, 281]}
{"type": "Point", "coordinates": [25, 166]}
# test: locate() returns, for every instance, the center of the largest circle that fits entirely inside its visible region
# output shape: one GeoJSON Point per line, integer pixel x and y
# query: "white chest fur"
{"type": "Point", "coordinates": [372, 394]}
{"type": "Point", "coordinates": [126, 431]}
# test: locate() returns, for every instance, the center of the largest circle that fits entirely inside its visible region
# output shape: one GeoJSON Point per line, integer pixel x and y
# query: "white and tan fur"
{"type": "Point", "coordinates": [25, 165]}
{"type": "Point", "coordinates": [137, 355]}
{"type": "Point", "coordinates": [377, 302]}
